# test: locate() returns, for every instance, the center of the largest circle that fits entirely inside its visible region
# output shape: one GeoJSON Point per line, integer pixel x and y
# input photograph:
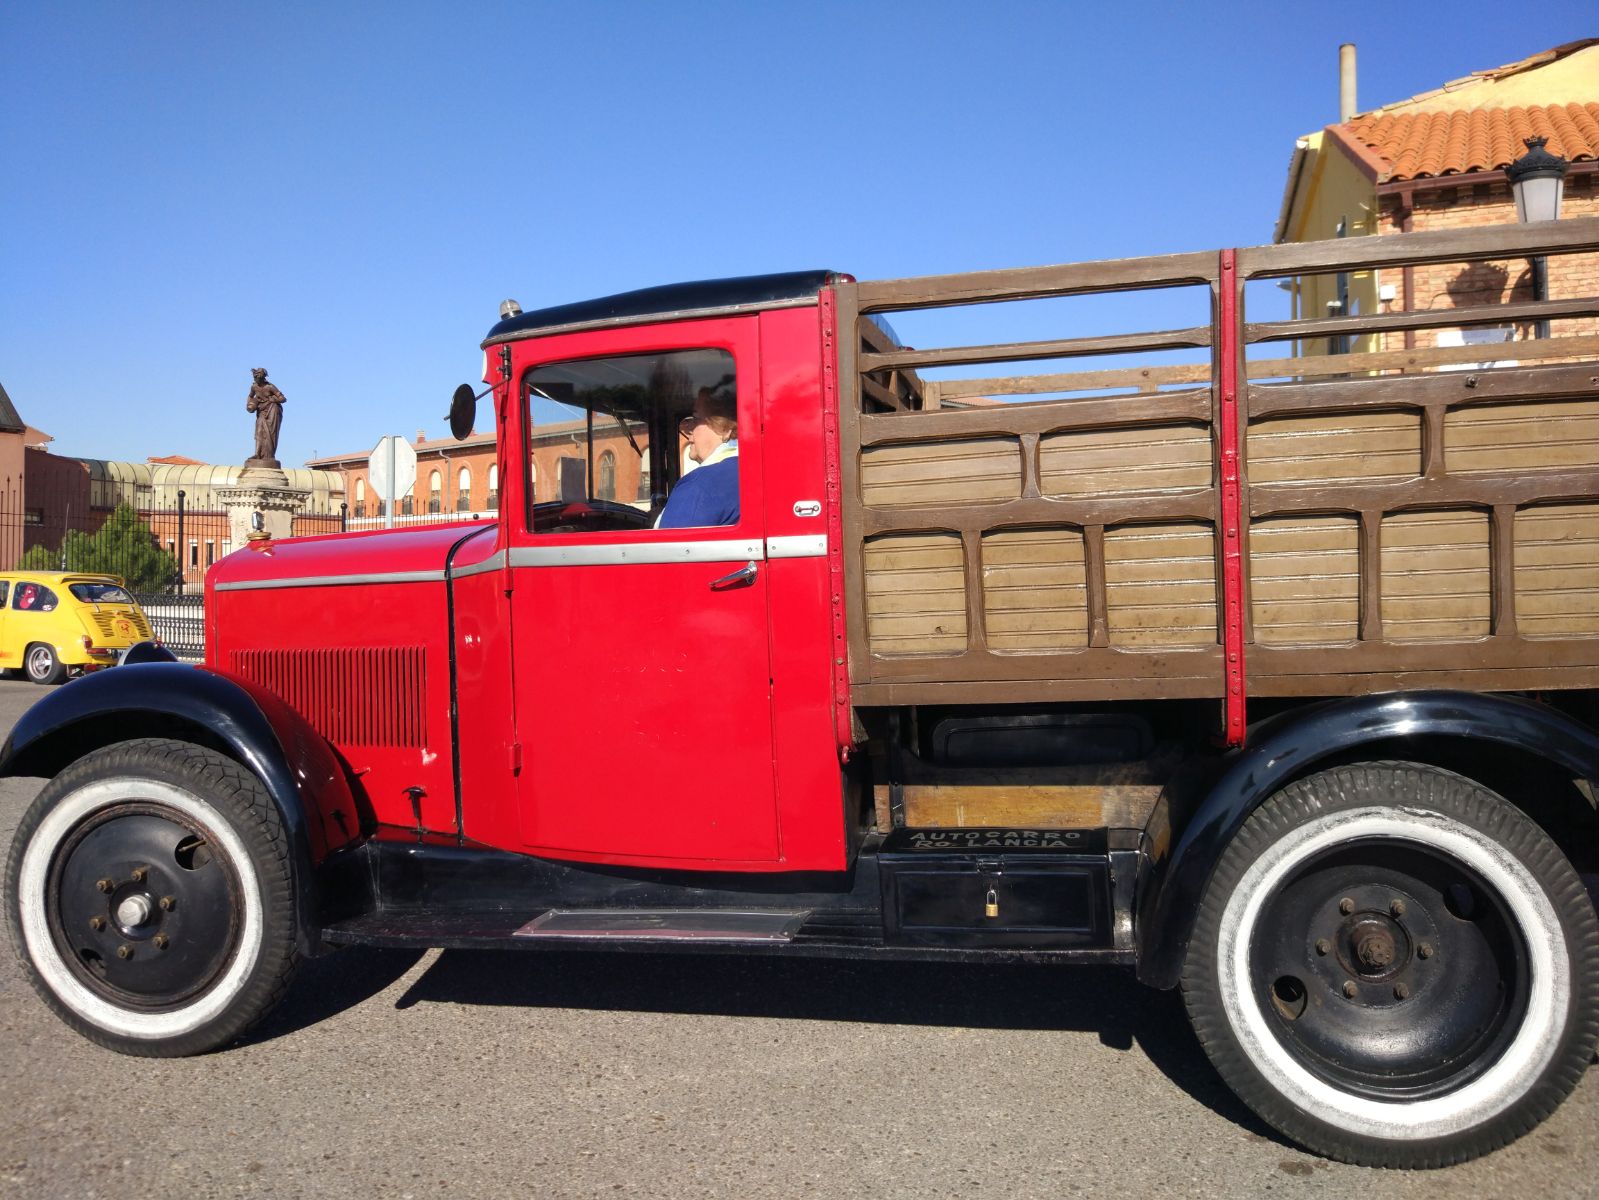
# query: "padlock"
{"type": "Point", "coordinates": [991, 907]}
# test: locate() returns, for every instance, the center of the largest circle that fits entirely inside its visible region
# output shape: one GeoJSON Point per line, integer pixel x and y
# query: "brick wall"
{"type": "Point", "coordinates": [1493, 282]}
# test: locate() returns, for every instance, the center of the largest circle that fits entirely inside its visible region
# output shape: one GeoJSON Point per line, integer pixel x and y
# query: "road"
{"type": "Point", "coordinates": [390, 1074]}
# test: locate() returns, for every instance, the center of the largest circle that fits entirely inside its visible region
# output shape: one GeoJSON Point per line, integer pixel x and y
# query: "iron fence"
{"type": "Point", "coordinates": [178, 622]}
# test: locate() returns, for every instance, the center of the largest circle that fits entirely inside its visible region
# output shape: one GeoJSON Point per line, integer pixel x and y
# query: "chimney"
{"type": "Point", "coordinates": [1346, 82]}
{"type": "Point", "coordinates": [421, 436]}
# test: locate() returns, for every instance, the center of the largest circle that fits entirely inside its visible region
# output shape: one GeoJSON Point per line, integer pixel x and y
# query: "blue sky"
{"type": "Point", "coordinates": [343, 193]}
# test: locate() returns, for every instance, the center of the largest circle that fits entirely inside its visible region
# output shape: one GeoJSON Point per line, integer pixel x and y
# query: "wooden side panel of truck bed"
{"type": "Point", "coordinates": [1407, 520]}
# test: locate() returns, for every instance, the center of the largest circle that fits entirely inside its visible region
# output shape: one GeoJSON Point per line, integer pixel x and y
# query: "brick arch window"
{"type": "Point", "coordinates": [607, 474]}
{"type": "Point", "coordinates": [494, 486]}
{"type": "Point", "coordinates": [463, 490]}
{"type": "Point", "coordinates": [360, 497]}
{"type": "Point", "coordinates": [435, 492]}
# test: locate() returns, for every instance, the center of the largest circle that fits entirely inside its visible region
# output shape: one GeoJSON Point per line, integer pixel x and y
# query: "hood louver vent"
{"type": "Point", "coordinates": [354, 697]}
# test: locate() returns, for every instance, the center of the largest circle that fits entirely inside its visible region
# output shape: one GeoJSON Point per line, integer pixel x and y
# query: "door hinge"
{"type": "Point", "coordinates": [516, 758]}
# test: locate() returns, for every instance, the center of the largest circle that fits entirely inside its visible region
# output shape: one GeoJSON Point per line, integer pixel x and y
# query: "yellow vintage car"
{"type": "Point", "coordinates": [52, 622]}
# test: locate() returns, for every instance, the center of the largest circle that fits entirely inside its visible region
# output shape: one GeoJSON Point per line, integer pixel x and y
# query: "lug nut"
{"type": "Point", "coordinates": [1425, 950]}
{"type": "Point", "coordinates": [1323, 946]}
{"type": "Point", "coordinates": [161, 941]}
{"type": "Point", "coordinates": [1401, 991]}
{"type": "Point", "coordinates": [97, 923]}
{"type": "Point", "coordinates": [124, 951]}
{"type": "Point", "coordinates": [105, 885]}
{"type": "Point", "coordinates": [1397, 908]}
{"type": "Point", "coordinates": [1346, 906]}
{"type": "Point", "coordinates": [1351, 990]}
{"type": "Point", "coordinates": [168, 903]}
{"type": "Point", "coordinates": [140, 874]}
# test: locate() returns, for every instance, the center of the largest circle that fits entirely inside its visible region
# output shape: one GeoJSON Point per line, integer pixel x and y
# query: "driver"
{"type": "Point", "coordinates": [708, 495]}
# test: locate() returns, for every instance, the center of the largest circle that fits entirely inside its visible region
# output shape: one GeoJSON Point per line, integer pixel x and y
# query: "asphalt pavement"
{"type": "Point", "coordinates": [564, 1074]}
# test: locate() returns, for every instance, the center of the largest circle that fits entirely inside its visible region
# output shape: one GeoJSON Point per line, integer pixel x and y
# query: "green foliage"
{"type": "Point", "coordinates": [123, 546]}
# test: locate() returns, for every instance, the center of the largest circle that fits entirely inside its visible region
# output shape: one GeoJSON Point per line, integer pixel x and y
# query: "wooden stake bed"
{"type": "Point", "coordinates": [1404, 518]}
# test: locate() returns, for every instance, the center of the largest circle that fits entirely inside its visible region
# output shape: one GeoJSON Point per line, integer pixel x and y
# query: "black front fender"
{"type": "Point", "coordinates": [295, 764]}
{"type": "Point", "coordinates": [1290, 745]}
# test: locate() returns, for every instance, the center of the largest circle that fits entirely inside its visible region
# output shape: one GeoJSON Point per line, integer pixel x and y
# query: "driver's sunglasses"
{"type": "Point", "coordinates": [687, 424]}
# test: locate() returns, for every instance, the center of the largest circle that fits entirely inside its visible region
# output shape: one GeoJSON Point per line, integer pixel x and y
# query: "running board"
{"type": "Point", "coordinates": [667, 924]}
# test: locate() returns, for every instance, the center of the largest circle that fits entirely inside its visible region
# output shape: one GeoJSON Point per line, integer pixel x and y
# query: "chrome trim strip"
{"type": "Point", "coordinates": [729, 550]}
{"type": "Point", "coordinates": [798, 545]}
{"type": "Point", "coordinates": [687, 314]}
{"type": "Point", "coordinates": [251, 585]}
{"type": "Point", "coordinates": [636, 552]}
{"type": "Point", "coordinates": [493, 562]}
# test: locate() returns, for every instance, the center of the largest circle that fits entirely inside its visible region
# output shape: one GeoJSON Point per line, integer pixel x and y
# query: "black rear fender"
{"type": "Point", "coordinates": [1441, 728]}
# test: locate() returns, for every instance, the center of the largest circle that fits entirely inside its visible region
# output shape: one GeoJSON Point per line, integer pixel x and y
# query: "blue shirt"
{"type": "Point", "coordinates": [708, 496]}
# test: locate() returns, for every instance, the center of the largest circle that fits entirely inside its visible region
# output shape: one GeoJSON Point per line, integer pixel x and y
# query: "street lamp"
{"type": "Point", "coordinates": [1538, 180]}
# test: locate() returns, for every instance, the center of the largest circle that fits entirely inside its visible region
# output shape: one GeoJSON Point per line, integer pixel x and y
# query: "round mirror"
{"type": "Point", "coordinates": [463, 409]}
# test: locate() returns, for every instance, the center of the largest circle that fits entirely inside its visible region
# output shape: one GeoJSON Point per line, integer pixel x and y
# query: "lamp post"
{"type": "Point", "coordinates": [1538, 180]}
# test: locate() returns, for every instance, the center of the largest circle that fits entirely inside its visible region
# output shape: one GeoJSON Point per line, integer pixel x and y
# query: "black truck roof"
{"type": "Point", "coordinates": [670, 300]}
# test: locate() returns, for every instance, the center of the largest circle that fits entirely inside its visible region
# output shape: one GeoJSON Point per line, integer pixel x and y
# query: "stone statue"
{"type": "Point", "coordinates": [266, 402]}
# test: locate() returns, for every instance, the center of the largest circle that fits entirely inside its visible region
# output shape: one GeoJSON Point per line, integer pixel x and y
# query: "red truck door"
{"type": "Point", "coordinates": [643, 679]}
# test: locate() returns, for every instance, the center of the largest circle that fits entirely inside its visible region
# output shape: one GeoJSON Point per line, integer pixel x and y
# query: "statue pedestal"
{"type": "Point", "coordinates": [264, 490]}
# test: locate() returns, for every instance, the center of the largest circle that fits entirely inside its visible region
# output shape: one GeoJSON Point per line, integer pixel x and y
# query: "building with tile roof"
{"type": "Point", "coordinates": [1437, 160]}
{"type": "Point", "coordinates": [460, 479]}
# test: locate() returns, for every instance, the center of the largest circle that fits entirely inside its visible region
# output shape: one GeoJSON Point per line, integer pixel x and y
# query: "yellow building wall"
{"type": "Point", "coordinates": [1334, 191]}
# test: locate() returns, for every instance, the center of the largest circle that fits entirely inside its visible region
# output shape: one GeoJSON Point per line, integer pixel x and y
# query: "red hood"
{"type": "Point", "coordinates": [373, 552]}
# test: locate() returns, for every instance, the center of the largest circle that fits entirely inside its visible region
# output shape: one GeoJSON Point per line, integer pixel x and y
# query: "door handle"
{"type": "Point", "coordinates": [745, 574]}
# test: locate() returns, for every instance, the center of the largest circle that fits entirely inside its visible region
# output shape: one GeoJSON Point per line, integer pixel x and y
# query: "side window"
{"type": "Point", "coordinates": [5, 589]}
{"type": "Point", "coordinates": [34, 597]}
{"type": "Point", "coordinates": [672, 416]}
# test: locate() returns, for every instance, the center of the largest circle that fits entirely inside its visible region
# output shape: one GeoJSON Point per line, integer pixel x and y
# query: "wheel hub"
{"type": "Point", "coordinates": [134, 910]}
{"type": "Point", "coordinates": [1382, 980]}
{"type": "Point", "coordinates": [140, 915]}
{"type": "Point", "coordinates": [1374, 948]}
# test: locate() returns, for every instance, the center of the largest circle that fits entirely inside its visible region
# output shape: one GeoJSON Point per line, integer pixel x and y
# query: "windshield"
{"type": "Point", "coordinates": [608, 429]}
{"type": "Point", "coordinates": [99, 593]}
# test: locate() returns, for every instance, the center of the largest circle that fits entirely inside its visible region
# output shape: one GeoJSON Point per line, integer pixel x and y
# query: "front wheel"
{"type": "Point", "coordinates": [1395, 967]}
{"type": "Point", "coordinates": [150, 897]}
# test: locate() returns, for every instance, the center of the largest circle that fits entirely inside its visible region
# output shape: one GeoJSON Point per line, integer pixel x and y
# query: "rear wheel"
{"type": "Point", "coordinates": [1395, 967]}
{"type": "Point", "coordinates": [42, 665]}
{"type": "Point", "coordinates": [150, 897]}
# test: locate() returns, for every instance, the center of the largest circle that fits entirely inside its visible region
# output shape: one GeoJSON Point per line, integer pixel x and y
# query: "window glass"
{"type": "Point", "coordinates": [5, 588]}
{"type": "Point", "coordinates": [100, 593]}
{"type": "Point", "coordinates": [34, 597]}
{"type": "Point", "coordinates": [664, 410]}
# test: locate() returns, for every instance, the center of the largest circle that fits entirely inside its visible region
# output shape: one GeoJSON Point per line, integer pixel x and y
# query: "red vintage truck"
{"type": "Point", "coordinates": [1272, 678]}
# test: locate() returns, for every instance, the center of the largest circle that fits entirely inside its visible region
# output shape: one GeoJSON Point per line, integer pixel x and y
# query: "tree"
{"type": "Point", "coordinates": [123, 546]}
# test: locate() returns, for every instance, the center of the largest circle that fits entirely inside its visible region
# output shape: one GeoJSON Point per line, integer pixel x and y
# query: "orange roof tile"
{"type": "Point", "coordinates": [1421, 144]}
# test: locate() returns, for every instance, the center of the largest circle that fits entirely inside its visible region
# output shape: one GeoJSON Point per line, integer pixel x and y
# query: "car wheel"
{"type": "Point", "coordinates": [41, 664]}
{"type": "Point", "coordinates": [149, 894]}
{"type": "Point", "coordinates": [1395, 967]}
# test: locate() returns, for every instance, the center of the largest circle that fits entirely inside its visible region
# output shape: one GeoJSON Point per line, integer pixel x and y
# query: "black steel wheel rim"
{"type": "Point", "coordinates": [144, 905]}
{"type": "Point", "coordinates": [1390, 969]}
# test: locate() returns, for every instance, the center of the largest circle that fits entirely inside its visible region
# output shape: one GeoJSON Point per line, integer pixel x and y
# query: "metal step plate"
{"type": "Point", "coordinates": [668, 924]}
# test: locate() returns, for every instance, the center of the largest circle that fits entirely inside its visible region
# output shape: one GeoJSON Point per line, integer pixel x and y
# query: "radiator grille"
{"type": "Point", "coordinates": [352, 697]}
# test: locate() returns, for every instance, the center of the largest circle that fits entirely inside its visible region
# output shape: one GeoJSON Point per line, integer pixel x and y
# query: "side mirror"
{"type": "Point", "coordinates": [463, 410]}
